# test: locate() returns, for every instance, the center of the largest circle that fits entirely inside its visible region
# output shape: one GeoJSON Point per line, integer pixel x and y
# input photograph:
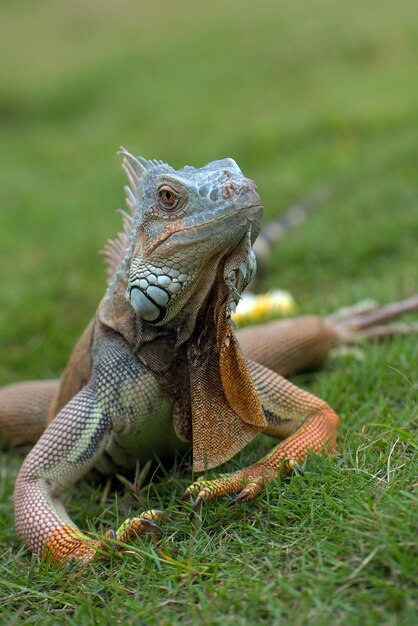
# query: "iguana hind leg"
{"type": "Point", "coordinates": [290, 345]}
{"type": "Point", "coordinates": [303, 421]}
{"type": "Point", "coordinates": [303, 343]}
{"type": "Point", "coordinates": [24, 409]}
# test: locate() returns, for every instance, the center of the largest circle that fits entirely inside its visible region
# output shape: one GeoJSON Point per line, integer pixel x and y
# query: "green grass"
{"type": "Point", "coordinates": [301, 94]}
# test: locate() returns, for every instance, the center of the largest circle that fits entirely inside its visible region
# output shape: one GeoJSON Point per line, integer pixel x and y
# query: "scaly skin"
{"type": "Point", "coordinates": [159, 369]}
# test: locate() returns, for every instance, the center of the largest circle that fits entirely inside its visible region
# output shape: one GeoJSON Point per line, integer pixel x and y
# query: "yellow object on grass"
{"type": "Point", "coordinates": [257, 308]}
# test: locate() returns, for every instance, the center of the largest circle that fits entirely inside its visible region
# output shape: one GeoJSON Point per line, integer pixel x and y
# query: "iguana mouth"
{"type": "Point", "coordinates": [154, 285]}
{"type": "Point", "coordinates": [202, 223]}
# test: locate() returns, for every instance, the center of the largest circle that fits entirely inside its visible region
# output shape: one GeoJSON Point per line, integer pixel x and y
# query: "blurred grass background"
{"type": "Point", "coordinates": [302, 94]}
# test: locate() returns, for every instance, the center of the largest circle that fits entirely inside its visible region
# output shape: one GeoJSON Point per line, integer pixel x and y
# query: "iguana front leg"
{"type": "Point", "coordinates": [304, 422]}
{"type": "Point", "coordinates": [70, 446]}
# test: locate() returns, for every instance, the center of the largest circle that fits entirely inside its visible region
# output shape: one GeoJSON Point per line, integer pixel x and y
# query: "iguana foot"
{"type": "Point", "coordinates": [247, 484]}
{"type": "Point", "coordinates": [69, 546]}
{"type": "Point", "coordinates": [366, 320]}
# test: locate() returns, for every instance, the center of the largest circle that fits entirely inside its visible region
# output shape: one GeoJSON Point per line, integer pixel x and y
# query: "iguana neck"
{"type": "Point", "coordinates": [159, 347]}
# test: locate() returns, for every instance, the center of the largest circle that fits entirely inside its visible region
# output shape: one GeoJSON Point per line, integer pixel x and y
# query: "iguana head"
{"type": "Point", "coordinates": [185, 223]}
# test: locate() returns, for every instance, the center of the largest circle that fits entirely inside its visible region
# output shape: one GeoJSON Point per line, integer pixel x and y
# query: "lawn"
{"type": "Point", "coordinates": [303, 95]}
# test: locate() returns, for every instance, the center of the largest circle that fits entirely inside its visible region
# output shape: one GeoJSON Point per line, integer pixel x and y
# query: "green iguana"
{"type": "Point", "coordinates": [159, 368]}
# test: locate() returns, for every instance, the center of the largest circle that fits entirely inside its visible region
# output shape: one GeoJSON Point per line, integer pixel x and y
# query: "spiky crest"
{"type": "Point", "coordinates": [115, 249]}
{"type": "Point", "coordinates": [135, 167]}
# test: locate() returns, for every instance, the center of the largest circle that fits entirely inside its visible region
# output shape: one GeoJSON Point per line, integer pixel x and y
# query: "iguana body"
{"type": "Point", "coordinates": [159, 369]}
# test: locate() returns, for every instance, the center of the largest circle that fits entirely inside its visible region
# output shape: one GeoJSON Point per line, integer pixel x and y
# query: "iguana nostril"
{"type": "Point", "coordinates": [228, 190]}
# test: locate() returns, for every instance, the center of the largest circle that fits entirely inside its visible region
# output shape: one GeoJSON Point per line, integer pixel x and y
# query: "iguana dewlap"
{"type": "Point", "coordinates": [159, 368]}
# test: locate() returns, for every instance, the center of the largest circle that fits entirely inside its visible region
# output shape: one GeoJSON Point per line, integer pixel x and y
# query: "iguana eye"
{"type": "Point", "coordinates": [169, 199]}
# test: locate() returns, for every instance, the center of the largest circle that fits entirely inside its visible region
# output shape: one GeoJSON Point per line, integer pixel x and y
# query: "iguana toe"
{"type": "Point", "coordinates": [137, 526]}
{"type": "Point", "coordinates": [191, 491]}
{"type": "Point", "coordinates": [197, 505]}
{"type": "Point", "coordinates": [249, 492]}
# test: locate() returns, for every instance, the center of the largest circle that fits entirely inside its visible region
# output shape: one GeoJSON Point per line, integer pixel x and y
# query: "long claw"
{"type": "Point", "coordinates": [111, 534]}
{"type": "Point", "coordinates": [186, 496]}
{"type": "Point", "coordinates": [151, 526]}
{"type": "Point", "coordinates": [197, 505]}
{"type": "Point", "coordinates": [240, 499]}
